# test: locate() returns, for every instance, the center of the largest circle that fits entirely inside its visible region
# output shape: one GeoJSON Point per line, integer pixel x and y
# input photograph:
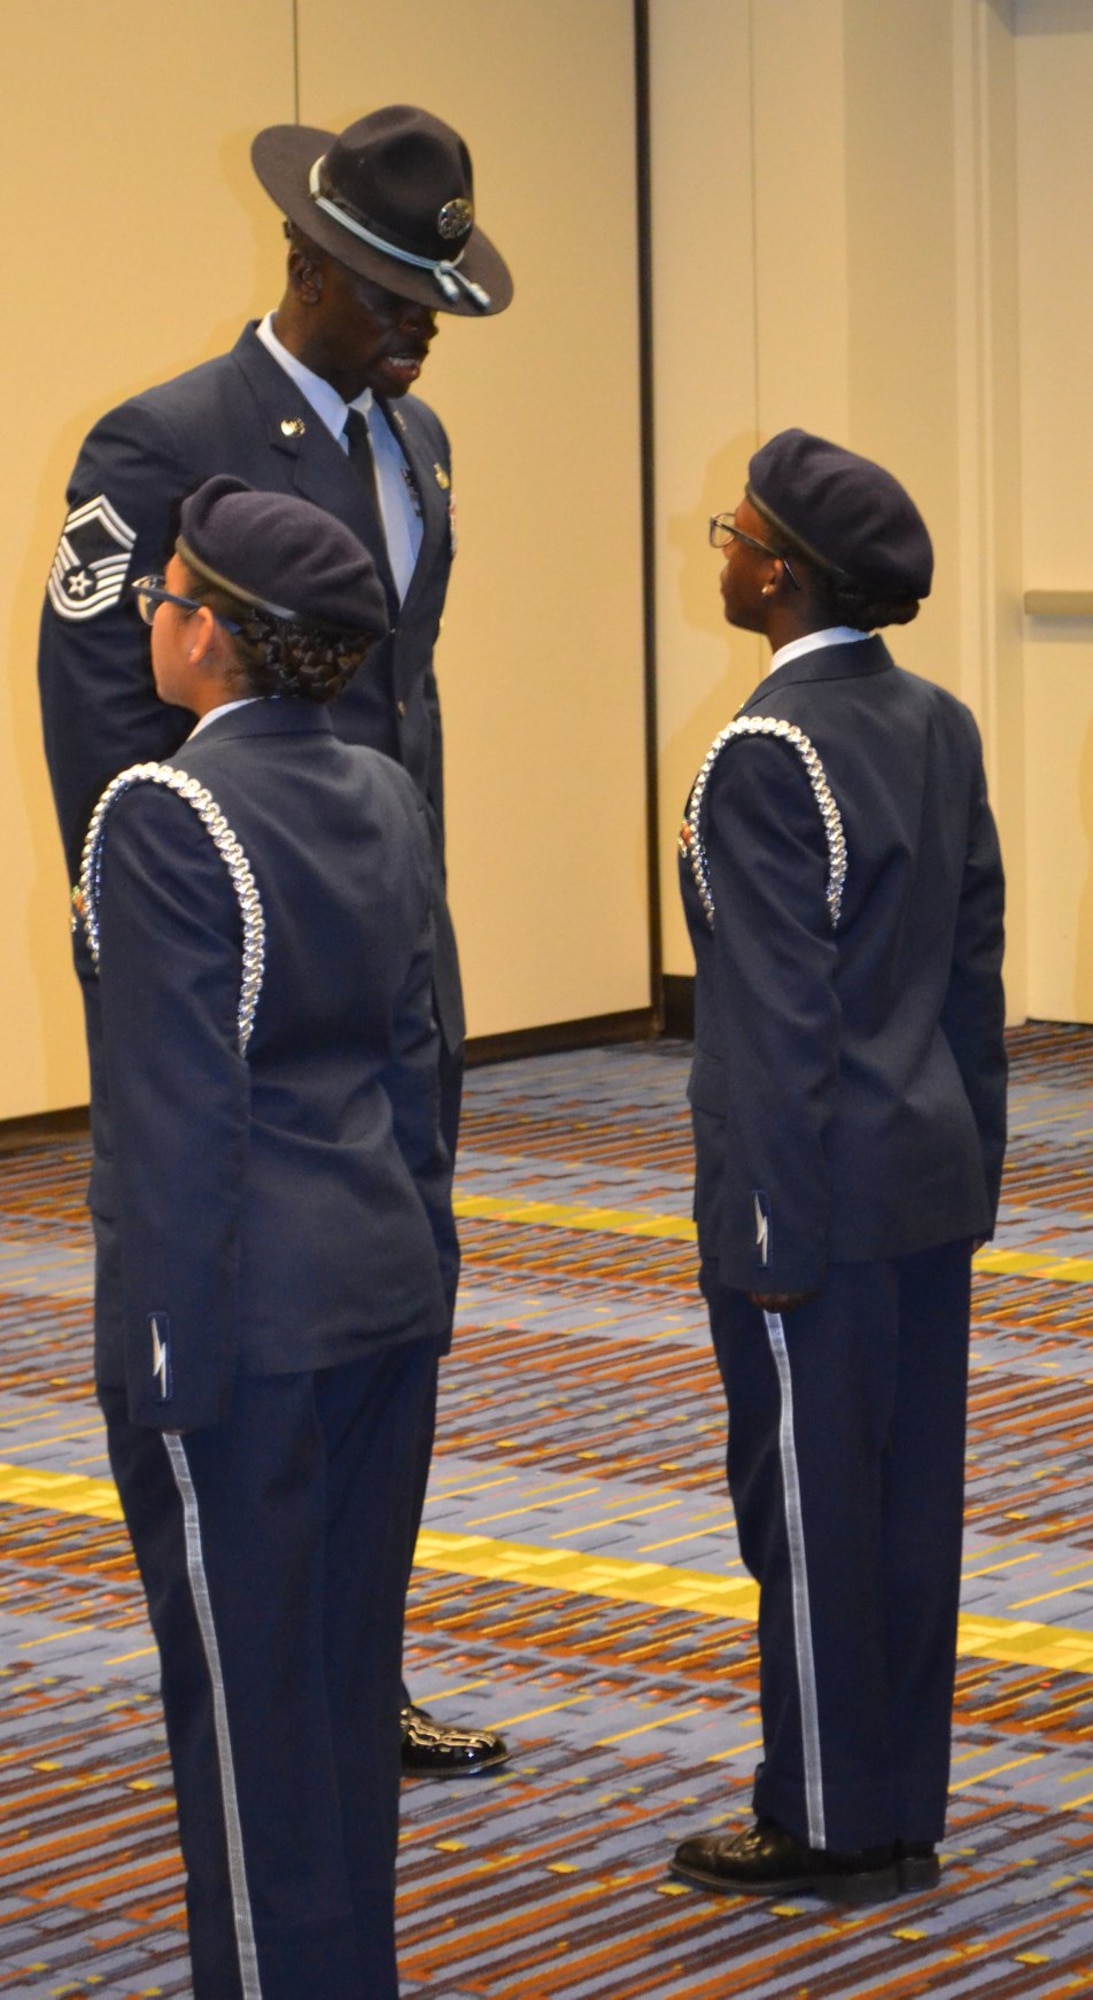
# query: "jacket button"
{"type": "Point", "coordinates": [402, 710]}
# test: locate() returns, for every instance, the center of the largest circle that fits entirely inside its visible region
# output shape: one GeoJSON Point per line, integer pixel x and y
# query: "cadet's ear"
{"type": "Point", "coordinates": [203, 633]}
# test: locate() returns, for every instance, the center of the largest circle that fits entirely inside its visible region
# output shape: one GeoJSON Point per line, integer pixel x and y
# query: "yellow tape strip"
{"type": "Point", "coordinates": [679, 1229]}
{"type": "Point", "coordinates": [558, 1215]}
{"type": "Point", "coordinates": [60, 1492]}
{"type": "Point", "coordinates": [1014, 1641]}
{"type": "Point", "coordinates": [618, 1581]}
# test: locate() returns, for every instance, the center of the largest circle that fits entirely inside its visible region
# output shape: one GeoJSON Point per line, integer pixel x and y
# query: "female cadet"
{"type": "Point", "coordinates": [843, 892]}
{"type": "Point", "coordinates": [276, 1251]}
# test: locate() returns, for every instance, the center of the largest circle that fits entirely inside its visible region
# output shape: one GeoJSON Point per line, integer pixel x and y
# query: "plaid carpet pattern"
{"type": "Point", "coordinates": [579, 1584]}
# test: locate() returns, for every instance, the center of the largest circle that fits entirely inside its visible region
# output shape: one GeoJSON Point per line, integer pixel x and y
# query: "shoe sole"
{"type": "Point", "coordinates": [874, 1885]}
{"type": "Point", "coordinates": [918, 1872]}
{"type": "Point", "coordinates": [476, 1770]}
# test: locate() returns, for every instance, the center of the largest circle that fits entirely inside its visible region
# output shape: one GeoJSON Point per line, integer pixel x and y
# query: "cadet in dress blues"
{"type": "Point", "coordinates": [277, 1258]}
{"type": "Point", "coordinates": [843, 892]}
{"type": "Point", "coordinates": [314, 400]}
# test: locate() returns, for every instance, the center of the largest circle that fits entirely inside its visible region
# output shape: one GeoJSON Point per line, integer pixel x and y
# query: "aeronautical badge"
{"type": "Point", "coordinates": [92, 560]}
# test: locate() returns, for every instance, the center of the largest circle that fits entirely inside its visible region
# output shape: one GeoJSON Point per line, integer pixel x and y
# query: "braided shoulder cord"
{"type": "Point", "coordinates": [85, 896]}
{"type": "Point", "coordinates": [692, 846]}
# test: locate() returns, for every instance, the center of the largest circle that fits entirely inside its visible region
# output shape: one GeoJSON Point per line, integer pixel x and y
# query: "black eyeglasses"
{"type": "Point", "coordinates": [149, 593]}
{"type": "Point", "coordinates": [723, 530]}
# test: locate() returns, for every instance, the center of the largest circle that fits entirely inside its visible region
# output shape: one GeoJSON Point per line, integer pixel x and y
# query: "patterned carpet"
{"type": "Point", "coordinates": [579, 1584]}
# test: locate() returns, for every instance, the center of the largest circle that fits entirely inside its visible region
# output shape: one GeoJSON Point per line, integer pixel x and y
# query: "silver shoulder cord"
{"type": "Point", "coordinates": [692, 846]}
{"type": "Point", "coordinates": [85, 896]}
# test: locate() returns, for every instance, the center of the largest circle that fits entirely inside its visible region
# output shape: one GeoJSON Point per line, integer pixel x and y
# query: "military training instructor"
{"type": "Point", "coordinates": [312, 401]}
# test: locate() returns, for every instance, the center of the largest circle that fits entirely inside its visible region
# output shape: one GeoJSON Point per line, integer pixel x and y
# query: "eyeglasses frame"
{"type": "Point", "coordinates": [151, 587]}
{"type": "Point", "coordinates": [723, 526]}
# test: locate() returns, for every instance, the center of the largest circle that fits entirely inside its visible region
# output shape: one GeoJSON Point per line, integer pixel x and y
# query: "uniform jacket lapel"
{"type": "Point", "coordinates": [315, 464]}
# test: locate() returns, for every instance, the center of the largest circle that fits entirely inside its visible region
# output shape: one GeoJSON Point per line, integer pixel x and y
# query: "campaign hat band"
{"type": "Point", "coordinates": [445, 270]}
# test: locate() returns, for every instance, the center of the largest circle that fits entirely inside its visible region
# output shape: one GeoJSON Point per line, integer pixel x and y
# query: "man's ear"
{"type": "Point", "coordinates": [305, 276]}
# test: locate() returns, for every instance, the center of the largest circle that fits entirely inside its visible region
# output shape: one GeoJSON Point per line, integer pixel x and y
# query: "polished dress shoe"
{"type": "Point", "coordinates": [764, 1861]}
{"type": "Point", "coordinates": [433, 1750]}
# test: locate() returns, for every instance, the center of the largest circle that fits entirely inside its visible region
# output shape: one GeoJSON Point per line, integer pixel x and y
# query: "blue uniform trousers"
{"type": "Point", "coordinates": [846, 1469]}
{"type": "Point", "coordinates": [275, 1551]}
{"type": "Point", "coordinates": [451, 1100]}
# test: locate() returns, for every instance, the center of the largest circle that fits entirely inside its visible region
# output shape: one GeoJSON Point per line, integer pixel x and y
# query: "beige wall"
{"type": "Point", "coordinates": [852, 274]}
{"type": "Point", "coordinates": [139, 242]}
{"type": "Point", "coordinates": [1055, 95]}
{"type": "Point", "coordinates": [868, 218]}
{"type": "Point", "coordinates": [137, 245]}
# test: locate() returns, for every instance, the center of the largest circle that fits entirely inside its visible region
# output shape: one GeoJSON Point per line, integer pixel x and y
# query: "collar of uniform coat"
{"type": "Point", "coordinates": [828, 663]}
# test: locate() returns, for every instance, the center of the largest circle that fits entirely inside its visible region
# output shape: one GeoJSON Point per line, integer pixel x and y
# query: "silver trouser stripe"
{"type": "Point", "coordinates": [802, 1622]}
{"type": "Point", "coordinates": [195, 1564]}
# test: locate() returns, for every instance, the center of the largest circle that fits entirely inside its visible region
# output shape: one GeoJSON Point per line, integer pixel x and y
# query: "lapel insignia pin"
{"type": "Point", "coordinates": [442, 479]}
{"type": "Point", "coordinates": [293, 427]}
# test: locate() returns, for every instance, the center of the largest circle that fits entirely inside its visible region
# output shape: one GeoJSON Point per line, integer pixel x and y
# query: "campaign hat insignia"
{"type": "Point", "coordinates": [92, 560]}
{"type": "Point", "coordinates": [455, 219]}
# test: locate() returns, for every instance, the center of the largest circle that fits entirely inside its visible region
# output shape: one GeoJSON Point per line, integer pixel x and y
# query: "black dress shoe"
{"type": "Point", "coordinates": [433, 1750]}
{"type": "Point", "coordinates": [764, 1861]}
{"type": "Point", "coordinates": [919, 1867]}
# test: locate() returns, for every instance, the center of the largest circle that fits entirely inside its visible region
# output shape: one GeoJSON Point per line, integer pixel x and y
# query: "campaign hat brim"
{"type": "Point", "coordinates": [282, 157]}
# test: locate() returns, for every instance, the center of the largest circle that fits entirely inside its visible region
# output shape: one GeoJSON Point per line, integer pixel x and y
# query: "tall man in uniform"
{"type": "Point", "coordinates": [313, 400]}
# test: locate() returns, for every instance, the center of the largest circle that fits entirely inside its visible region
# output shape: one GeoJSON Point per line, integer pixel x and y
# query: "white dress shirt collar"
{"type": "Point", "coordinates": [214, 714]}
{"type": "Point", "coordinates": [832, 635]}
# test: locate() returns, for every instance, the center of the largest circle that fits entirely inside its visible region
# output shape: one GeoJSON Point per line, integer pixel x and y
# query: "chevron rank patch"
{"type": "Point", "coordinates": [92, 560]}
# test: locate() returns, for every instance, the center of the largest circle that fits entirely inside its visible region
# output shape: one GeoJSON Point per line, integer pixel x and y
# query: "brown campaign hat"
{"type": "Point", "coordinates": [393, 198]}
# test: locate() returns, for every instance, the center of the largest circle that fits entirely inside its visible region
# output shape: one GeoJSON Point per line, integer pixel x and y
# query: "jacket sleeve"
{"type": "Point", "coordinates": [411, 1078]}
{"type": "Point", "coordinates": [178, 1101]}
{"type": "Point", "coordinates": [99, 707]}
{"type": "Point", "coordinates": [771, 1087]}
{"type": "Point", "coordinates": [974, 1012]}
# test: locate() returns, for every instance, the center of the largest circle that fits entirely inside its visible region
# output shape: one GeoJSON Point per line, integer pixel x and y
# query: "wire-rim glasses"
{"type": "Point", "coordinates": [723, 530]}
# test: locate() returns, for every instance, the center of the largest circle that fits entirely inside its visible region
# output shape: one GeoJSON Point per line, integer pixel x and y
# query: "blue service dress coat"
{"type": "Point", "coordinates": [277, 1263]}
{"type": "Point", "coordinates": [844, 897]}
{"type": "Point", "coordinates": [282, 1206]}
{"type": "Point", "coordinates": [240, 413]}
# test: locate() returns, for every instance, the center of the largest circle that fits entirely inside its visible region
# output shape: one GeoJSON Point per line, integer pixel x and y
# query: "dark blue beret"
{"type": "Point", "coordinates": [847, 513]}
{"type": "Point", "coordinates": [283, 555]}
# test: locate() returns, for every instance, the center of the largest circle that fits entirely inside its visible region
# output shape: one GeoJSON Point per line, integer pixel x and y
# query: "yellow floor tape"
{"type": "Point", "coordinates": [679, 1229]}
{"type": "Point", "coordinates": [697, 1592]}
